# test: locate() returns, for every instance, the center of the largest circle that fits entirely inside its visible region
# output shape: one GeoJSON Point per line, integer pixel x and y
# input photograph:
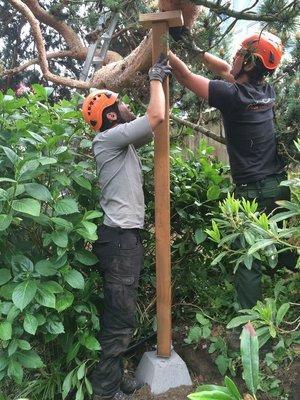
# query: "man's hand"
{"type": "Point", "coordinates": [160, 69]}
{"type": "Point", "coordinates": [178, 32]}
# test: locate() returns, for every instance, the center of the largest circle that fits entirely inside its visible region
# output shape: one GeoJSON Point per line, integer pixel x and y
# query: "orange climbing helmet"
{"type": "Point", "coordinates": [94, 104]}
{"type": "Point", "coordinates": [266, 46]}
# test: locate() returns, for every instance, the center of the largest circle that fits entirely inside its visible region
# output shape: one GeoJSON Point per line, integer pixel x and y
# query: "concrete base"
{"type": "Point", "coordinates": [162, 374]}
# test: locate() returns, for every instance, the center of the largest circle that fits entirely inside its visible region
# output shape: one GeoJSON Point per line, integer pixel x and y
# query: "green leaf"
{"type": "Point", "coordinates": [91, 343]}
{"type": "Point", "coordinates": [67, 384]}
{"type": "Point", "coordinates": [3, 195]}
{"type": "Point", "coordinates": [13, 313]}
{"type": "Point", "coordinates": [86, 257]}
{"type": "Point", "coordinates": [60, 238]}
{"type": "Point", "coordinates": [11, 155]}
{"type": "Point", "coordinates": [202, 320]}
{"type": "Point", "coordinates": [5, 221]}
{"type": "Point", "coordinates": [24, 293]}
{"type": "Point", "coordinates": [27, 206]}
{"type": "Point", "coordinates": [92, 215]}
{"type": "Point", "coordinates": [88, 386]}
{"type": "Point", "coordinates": [28, 169]}
{"type": "Point", "coordinates": [281, 313]}
{"type": "Point", "coordinates": [5, 276]}
{"type": "Point", "coordinates": [53, 287]}
{"type": "Point", "coordinates": [15, 371]}
{"type": "Point", "coordinates": [37, 137]}
{"type": "Point", "coordinates": [45, 268]}
{"type": "Point", "coordinates": [213, 193]}
{"type": "Point", "coordinates": [47, 160]}
{"type": "Point", "coordinates": [261, 244]}
{"type": "Point", "coordinates": [62, 223]}
{"type": "Point", "coordinates": [222, 363]}
{"type": "Point", "coordinates": [45, 298]}
{"type": "Point", "coordinates": [237, 321]}
{"type": "Point", "coordinates": [72, 353]}
{"type": "Point", "coordinates": [39, 192]}
{"type": "Point", "coordinates": [210, 395]}
{"type": "Point", "coordinates": [5, 330]}
{"type": "Point", "coordinates": [81, 371]}
{"type": "Point", "coordinates": [200, 236]}
{"type": "Point", "coordinates": [79, 393]}
{"type": "Point", "coordinates": [219, 258]}
{"type": "Point", "coordinates": [66, 207]}
{"type": "Point", "coordinates": [83, 182]}
{"type": "Point", "coordinates": [250, 358]}
{"type": "Point", "coordinates": [12, 348]}
{"type": "Point", "coordinates": [30, 324]}
{"type": "Point", "coordinates": [231, 386]}
{"type": "Point", "coordinates": [30, 359]}
{"type": "Point", "coordinates": [39, 91]}
{"type": "Point", "coordinates": [74, 279]}
{"type": "Point", "coordinates": [23, 344]}
{"type": "Point", "coordinates": [7, 180]}
{"type": "Point", "coordinates": [209, 388]}
{"type": "Point", "coordinates": [64, 301]}
{"type": "Point", "coordinates": [6, 290]}
{"type": "Point", "coordinates": [55, 327]}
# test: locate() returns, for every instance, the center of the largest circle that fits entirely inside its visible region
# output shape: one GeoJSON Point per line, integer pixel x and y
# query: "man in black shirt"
{"type": "Point", "coordinates": [246, 102]}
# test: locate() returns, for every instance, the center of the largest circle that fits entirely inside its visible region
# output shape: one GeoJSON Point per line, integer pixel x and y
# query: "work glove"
{"type": "Point", "coordinates": [178, 32]}
{"type": "Point", "coordinates": [160, 69]}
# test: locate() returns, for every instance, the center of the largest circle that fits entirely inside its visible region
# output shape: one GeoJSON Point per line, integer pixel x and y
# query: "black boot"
{"type": "Point", "coordinates": [130, 385]}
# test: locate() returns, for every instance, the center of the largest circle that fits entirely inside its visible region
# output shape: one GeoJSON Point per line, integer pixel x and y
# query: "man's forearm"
{"type": "Point", "coordinates": [180, 69]}
{"type": "Point", "coordinates": [215, 64]}
{"type": "Point", "coordinates": [156, 108]}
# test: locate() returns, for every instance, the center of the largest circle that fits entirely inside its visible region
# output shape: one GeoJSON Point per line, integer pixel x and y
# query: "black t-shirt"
{"type": "Point", "coordinates": [247, 112]}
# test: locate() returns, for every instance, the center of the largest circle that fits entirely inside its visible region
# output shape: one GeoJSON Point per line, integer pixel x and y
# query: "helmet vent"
{"type": "Point", "coordinates": [271, 58]}
{"type": "Point", "coordinates": [93, 123]}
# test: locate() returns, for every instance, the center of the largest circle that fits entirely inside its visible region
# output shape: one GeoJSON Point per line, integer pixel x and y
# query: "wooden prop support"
{"type": "Point", "coordinates": [160, 23]}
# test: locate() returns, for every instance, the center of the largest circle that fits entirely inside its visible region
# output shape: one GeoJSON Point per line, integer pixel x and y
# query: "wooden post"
{"type": "Point", "coordinates": [160, 23]}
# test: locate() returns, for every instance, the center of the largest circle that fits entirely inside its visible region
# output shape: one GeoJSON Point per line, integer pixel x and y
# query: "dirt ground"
{"type": "Point", "coordinates": [203, 370]}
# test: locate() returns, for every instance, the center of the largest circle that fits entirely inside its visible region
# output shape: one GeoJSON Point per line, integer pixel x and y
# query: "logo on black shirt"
{"type": "Point", "coordinates": [263, 104]}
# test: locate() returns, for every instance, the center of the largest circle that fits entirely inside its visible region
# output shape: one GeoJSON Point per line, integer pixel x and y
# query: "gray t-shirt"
{"type": "Point", "coordinates": [120, 172]}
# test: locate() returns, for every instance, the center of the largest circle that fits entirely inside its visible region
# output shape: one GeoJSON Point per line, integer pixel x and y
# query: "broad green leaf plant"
{"type": "Point", "coordinates": [250, 362]}
{"type": "Point", "coordinates": [243, 235]}
{"type": "Point", "coordinates": [48, 220]}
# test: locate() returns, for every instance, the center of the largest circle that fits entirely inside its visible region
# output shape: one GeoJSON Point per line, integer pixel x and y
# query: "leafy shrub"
{"type": "Point", "coordinates": [48, 198]}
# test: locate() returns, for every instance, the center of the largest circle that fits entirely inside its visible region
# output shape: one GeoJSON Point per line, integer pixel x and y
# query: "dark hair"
{"type": "Point", "coordinates": [259, 71]}
{"type": "Point", "coordinates": [107, 124]}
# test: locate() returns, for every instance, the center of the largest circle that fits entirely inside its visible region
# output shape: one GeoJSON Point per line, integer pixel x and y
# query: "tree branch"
{"type": "Point", "coordinates": [42, 57]}
{"type": "Point", "coordinates": [61, 27]}
{"type": "Point", "coordinates": [110, 57]}
{"type": "Point", "coordinates": [199, 128]}
{"type": "Point", "coordinates": [244, 14]}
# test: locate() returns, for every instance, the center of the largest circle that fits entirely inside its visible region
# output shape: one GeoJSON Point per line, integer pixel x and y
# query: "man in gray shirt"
{"type": "Point", "coordinates": [119, 246]}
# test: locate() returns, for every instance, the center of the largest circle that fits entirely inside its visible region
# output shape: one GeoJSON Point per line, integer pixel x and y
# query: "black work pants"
{"type": "Point", "coordinates": [120, 253]}
{"type": "Point", "coordinates": [267, 192]}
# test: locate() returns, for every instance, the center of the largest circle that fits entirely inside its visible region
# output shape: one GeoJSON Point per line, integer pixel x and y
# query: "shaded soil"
{"type": "Point", "coordinates": [203, 370]}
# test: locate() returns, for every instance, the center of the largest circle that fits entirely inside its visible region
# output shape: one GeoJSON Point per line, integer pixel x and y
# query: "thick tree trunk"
{"type": "Point", "coordinates": [189, 10]}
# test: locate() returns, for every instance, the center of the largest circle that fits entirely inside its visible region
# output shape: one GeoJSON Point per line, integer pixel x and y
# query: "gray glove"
{"type": "Point", "coordinates": [160, 69]}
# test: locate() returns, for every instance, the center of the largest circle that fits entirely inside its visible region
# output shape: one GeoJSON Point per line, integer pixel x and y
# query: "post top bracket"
{"type": "Point", "coordinates": [173, 18]}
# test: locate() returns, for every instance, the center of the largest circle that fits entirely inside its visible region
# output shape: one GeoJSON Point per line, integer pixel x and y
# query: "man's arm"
{"type": "Point", "coordinates": [197, 83]}
{"type": "Point", "coordinates": [217, 66]}
{"type": "Point", "coordinates": [156, 108]}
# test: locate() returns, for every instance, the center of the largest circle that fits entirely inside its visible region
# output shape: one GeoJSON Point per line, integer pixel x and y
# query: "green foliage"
{"type": "Point", "coordinates": [49, 193]}
{"type": "Point", "coordinates": [244, 234]}
{"type": "Point", "coordinates": [250, 358]}
{"type": "Point", "coordinates": [268, 319]}
{"type": "Point", "coordinates": [250, 362]}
